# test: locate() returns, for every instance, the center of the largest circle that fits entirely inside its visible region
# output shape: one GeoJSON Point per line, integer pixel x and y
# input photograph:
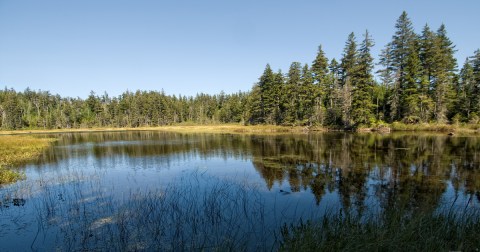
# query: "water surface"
{"type": "Point", "coordinates": [155, 190]}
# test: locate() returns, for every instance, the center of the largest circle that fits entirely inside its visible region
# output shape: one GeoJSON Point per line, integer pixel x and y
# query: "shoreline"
{"type": "Point", "coordinates": [214, 128]}
{"type": "Point", "coordinates": [246, 129]}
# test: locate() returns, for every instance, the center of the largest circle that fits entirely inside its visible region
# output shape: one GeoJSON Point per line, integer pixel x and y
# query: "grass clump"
{"type": "Point", "coordinates": [10, 176]}
{"type": "Point", "coordinates": [394, 231]}
{"type": "Point", "coordinates": [15, 150]}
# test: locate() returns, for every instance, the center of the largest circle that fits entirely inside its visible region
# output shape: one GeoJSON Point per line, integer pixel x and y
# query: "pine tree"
{"type": "Point", "coordinates": [265, 84]}
{"type": "Point", "coordinates": [278, 90]}
{"type": "Point", "coordinates": [427, 47]}
{"type": "Point", "coordinates": [348, 67]}
{"type": "Point", "coordinates": [427, 51]}
{"type": "Point", "coordinates": [467, 90]}
{"type": "Point", "coordinates": [321, 91]}
{"type": "Point", "coordinates": [320, 67]}
{"type": "Point", "coordinates": [291, 94]}
{"type": "Point", "coordinates": [334, 111]}
{"type": "Point", "coordinates": [475, 96]}
{"type": "Point", "coordinates": [307, 95]}
{"type": "Point", "coordinates": [399, 49]}
{"type": "Point", "coordinates": [362, 105]}
{"type": "Point", "coordinates": [349, 59]}
{"type": "Point", "coordinates": [387, 78]}
{"type": "Point", "coordinates": [410, 96]}
{"type": "Point", "coordinates": [444, 73]}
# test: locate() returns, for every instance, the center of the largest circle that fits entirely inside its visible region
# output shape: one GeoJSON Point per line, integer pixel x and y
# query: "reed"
{"type": "Point", "coordinates": [394, 230]}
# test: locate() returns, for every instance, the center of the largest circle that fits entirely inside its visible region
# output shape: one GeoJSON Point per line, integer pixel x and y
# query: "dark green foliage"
{"type": "Point", "coordinates": [349, 67]}
{"type": "Point", "coordinates": [362, 105]}
{"type": "Point", "coordinates": [40, 109]}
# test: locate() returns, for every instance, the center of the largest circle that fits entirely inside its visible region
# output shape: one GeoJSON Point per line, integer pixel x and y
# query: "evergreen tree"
{"type": "Point", "coordinates": [388, 85]}
{"type": "Point", "coordinates": [266, 84]}
{"type": "Point", "coordinates": [322, 87]}
{"type": "Point", "coordinates": [291, 94]}
{"type": "Point", "coordinates": [467, 98]}
{"type": "Point", "coordinates": [475, 95]}
{"type": "Point", "coordinates": [427, 48]}
{"type": "Point", "coordinates": [320, 67]}
{"type": "Point", "coordinates": [410, 99]}
{"type": "Point", "coordinates": [348, 67]}
{"type": "Point", "coordinates": [362, 105]}
{"type": "Point", "coordinates": [307, 95]}
{"type": "Point", "coordinates": [334, 111]}
{"type": "Point", "coordinates": [400, 48]}
{"type": "Point", "coordinates": [349, 59]}
{"type": "Point", "coordinates": [444, 74]}
{"type": "Point", "coordinates": [278, 90]}
{"type": "Point", "coordinates": [427, 52]}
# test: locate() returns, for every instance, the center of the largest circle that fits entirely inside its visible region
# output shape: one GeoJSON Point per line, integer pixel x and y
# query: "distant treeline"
{"type": "Point", "coordinates": [418, 81]}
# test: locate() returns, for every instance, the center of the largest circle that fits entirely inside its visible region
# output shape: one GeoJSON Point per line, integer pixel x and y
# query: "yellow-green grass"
{"type": "Point", "coordinates": [253, 129]}
{"type": "Point", "coordinates": [455, 128]}
{"type": "Point", "coordinates": [15, 150]}
{"type": "Point", "coordinates": [210, 128]}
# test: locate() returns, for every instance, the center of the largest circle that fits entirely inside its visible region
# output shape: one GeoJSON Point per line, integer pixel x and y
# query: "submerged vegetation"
{"type": "Point", "coordinates": [417, 83]}
{"type": "Point", "coordinates": [15, 150]}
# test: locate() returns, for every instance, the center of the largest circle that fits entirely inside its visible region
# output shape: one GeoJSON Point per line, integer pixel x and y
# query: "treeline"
{"type": "Point", "coordinates": [40, 109]}
{"type": "Point", "coordinates": [418, 81]}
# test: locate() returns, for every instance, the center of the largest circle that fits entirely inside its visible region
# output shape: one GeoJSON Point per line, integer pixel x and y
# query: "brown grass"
{"type": "Point", "coordinates": [213, 128]}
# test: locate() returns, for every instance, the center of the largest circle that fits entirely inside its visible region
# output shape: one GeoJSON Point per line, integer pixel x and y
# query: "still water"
{"type": "Point", "coordinates": [153, 190]}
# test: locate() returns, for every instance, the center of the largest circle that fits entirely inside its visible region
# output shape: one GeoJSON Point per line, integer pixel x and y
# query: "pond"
{"type": "Point", "coordinates": [152, 190]}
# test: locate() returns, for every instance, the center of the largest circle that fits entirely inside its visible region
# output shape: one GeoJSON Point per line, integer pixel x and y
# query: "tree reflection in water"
{"type": "Point", "coordinates": [401, 169]}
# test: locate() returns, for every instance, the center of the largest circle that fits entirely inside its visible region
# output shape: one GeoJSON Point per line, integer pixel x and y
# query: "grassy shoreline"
{"type": "Point", "coordinates": [15, 150]}
{"type": "Point", "coordinates": [237, 128]}
{"type": "Point", "coordinates": [214, 128]}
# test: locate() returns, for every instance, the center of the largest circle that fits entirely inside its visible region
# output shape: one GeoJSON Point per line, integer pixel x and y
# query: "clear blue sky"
{"type": "Point", "coordinates": [188, 47]}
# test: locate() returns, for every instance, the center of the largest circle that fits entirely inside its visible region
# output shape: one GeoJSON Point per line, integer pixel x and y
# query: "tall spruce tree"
{"type": "Point", "coordinates": [306, 96]}
{"type": "Point", "coordinates": [334, 111]}
{"type": "Point", "coordinates": [363, 83]}
{"type": "Point", "coordinates": [475, 62]}
{"type": "Point", "coordinates": [321, 91]}
{"type": "Point", "coordinates": [320, 66]}
{"type": "Point", "coordinates": [400, 48]}
{"type": "Point", "coordinates": [291, 94]}
{"type": "Point", "coordinates": [444, 74]}
{"type": "Point", "coordinates": [267, 99]}
{"type": "Point", "coordinates": [410, 97]}
{"type": "Point", "coordinates": [467, 98]}
{"type": "Point", "coordinates": [387, 81]}
{"type": "Point", "coordinates": [427, 48]}
{"type": "Point", "coordinates": [348, 68]}
{"type": "Point", "coordinates": [278, 90]}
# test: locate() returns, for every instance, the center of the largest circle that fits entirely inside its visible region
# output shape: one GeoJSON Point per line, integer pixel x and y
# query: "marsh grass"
{"type": "Point", "coordinates": [181, 128]}
{"type": "Point", "coordinates": [196, 213]}
{"type": "Point", "coordinates": [457, 128]}
{"type": "Point", "coordinates": [394, 230]}
{"type": "Point", "coordinates": [16, 150]}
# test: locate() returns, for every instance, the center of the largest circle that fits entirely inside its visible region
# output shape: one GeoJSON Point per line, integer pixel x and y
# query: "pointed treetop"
{"type": "Point", "coordinates": [320, 66]}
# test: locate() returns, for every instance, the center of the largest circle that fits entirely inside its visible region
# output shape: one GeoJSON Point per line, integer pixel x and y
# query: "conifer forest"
{"type": "Point", "coordinates": [418, 81]}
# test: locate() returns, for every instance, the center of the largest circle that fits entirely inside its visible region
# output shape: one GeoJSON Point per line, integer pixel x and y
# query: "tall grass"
{"type": "Point", "coordinates": [197, 213]}
{"type": "Point", "coordinates": [458, 128]}
{"type": "Point", "coordinates": [394, 230]}
{"type": "Point", "coordinates": [15, 150]}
